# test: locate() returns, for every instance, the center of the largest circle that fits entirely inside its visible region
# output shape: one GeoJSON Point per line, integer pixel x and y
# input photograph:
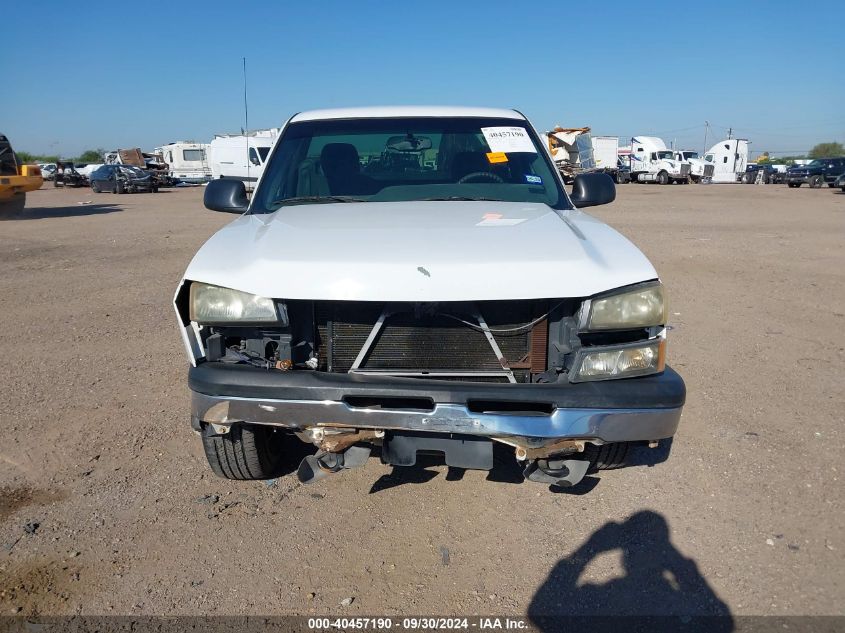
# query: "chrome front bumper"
{"type": "Point", "coordinates": [604, 425]}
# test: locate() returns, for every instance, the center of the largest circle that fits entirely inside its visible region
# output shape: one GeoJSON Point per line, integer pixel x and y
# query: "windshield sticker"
{"type": "Point", "coordinates": [496, 219]}
{"type": "Point", "coordinates": [508, 139]}
{"type": "Point", "coordinates": [497, 157]}
{"type": "Point", "coordinates": [533, 180]}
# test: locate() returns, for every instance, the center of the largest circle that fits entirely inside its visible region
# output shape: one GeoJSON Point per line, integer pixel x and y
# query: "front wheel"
{"type": "Point", "coordinates": [663, 178]}
{"type": "Point", "coordinates": [13, 207]}
{"type": "Point", "coordinates": [95, 187]}
{"type": "Point", "coordinates": [119, 188]}
{"type": "Point", "coordinates": [245, 452]}
{"type": "Point", "coordinates": [816, 182]}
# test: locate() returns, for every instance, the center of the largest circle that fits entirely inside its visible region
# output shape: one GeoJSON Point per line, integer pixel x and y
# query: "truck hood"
{"type": "Point", "coordinates": [420, 252]}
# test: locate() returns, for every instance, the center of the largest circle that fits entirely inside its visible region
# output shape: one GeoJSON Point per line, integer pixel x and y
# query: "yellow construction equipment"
{"type": "Point", "coordinates": [15, 180]}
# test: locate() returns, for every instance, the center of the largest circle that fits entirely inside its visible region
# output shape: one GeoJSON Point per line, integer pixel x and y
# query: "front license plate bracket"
{"type": "Point", "coordinates": [460, 451]}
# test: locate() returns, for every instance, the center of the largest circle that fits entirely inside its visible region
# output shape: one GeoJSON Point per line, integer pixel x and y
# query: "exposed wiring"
{"type": "Point", "coordinates": [510, 330]}
{"type": "Point", "coordinates": [244, 356]}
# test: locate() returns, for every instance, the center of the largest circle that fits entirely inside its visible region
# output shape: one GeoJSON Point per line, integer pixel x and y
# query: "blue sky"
{"type": "Point", "coordinates": [79, 75]}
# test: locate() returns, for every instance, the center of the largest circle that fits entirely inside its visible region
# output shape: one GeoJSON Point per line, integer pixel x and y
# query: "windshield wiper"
{"type": "Point", "coordinates": [461, 198]}
{"type": "Point", "coordinates": [313, 200]}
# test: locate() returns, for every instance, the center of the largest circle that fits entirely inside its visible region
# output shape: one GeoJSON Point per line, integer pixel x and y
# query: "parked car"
{"type": "Point", "coordinates": [66, 175]}
{"type": "Point", "coordinates": [816, 173]}
{"type": "Point", "coordinates": [417, 278]}
{"type": "Point", "coordinates": [122, 179]}
{"type": "Point", "coordinates": [47, 170]}
{"type": "Point", "coordinates": [770, 174]}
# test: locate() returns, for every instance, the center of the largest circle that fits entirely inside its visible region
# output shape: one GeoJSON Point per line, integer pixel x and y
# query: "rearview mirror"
{"type": "Point", "coordinates": [590, 190]}
{"type": "Point", "coordinates": [409, 143]}
{"type": "Point", "coordinates": [226, 195]}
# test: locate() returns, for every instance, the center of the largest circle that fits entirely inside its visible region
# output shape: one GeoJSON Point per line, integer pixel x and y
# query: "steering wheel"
{"type": "Point", "coordinates": [484, 175]}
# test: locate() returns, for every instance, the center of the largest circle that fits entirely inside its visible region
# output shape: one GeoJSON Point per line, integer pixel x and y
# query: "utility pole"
{"type": "Point", "coordinates": [706, 127]}
{"type": "Point", "coordinates": [730, 133]}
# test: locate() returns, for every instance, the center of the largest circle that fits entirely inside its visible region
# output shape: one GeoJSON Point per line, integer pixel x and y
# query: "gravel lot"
{"type": "Point", "coordinates": [107, 505]}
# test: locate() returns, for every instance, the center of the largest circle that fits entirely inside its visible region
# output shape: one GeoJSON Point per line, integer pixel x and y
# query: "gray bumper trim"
{"type": "Point", "coordinates": [608, 425]}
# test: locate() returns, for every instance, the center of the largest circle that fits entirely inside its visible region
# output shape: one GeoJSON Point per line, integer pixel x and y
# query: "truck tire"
{"type": "Point", "coordinates": [13, 207]}
{"type": "Point", "coordinates": [246, 452]}
{"type": "Point", "coordinates": [663, 178]}
{"type": "Point", "coordinates": [816, 181]}
{"type": "Point", "coordinates": [746, 179]}
{"type": "Point", "coordinates": [606, 456]}
{"type": "Point", "coordinates": [794, 185]}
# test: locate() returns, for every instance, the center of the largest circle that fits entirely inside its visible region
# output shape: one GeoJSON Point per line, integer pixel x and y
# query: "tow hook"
{"type": "Point", "coordinates": [323, 463]}
{"type": "Point", "coordinates": [558, 472]}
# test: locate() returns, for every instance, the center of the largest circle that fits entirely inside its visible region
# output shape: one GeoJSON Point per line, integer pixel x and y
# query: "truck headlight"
{"type": "Point", "coordinates": [644, 306]}
{"type": "Point", "coordinates": [213, 304]}
{"type": "Point", "coordinates": [622, 361]}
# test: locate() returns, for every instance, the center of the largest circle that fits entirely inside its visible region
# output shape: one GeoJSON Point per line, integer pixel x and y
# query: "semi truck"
{"type": "Point", "coordinates": [700, 169]}
{"type": "Point", "coordinates": [729, 158]}
{"type": "Point", "coordinates": [651, 161]}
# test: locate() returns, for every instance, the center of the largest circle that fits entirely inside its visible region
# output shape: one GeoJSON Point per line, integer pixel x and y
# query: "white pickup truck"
{"type": "Point", "coordinates": [417, 279]}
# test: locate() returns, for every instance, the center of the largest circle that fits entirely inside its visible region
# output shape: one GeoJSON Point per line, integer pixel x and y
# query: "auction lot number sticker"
{"type": "Point", "coordinates": [508, 139]}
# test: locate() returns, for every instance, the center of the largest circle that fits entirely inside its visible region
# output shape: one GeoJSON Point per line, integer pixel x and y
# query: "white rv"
{"type": "Point", "coordinates": [729, 158]}
{"type": "Point", "coordinates": [652, 162]}
{"type": "Point", "coordinates": [240, 156]}
{"type": "Point", "coordinates": [187, 160]}
{"type": "Point", "coordinates": [700, 169]}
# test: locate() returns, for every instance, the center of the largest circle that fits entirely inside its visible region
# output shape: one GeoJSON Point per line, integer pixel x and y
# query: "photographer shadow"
{"type": "Point", "coordinates": [661, 588]}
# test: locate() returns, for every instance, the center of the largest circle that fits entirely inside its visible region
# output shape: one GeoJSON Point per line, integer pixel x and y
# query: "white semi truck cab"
{"type": "Point", "coordinates": [700, 169]}
{"type": "Point", "coordinates": [651, 161]}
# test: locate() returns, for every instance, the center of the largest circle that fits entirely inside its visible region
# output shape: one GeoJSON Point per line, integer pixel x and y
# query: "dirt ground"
{"type": "Point", "coordinates": [107, 505]}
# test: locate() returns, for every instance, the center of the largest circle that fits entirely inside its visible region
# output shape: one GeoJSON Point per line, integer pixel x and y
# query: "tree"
{"type": "Point", "coordinates": [825, 150]}
{"type": "Point", "coordinates": [28, 159]}
{"type": "Point", "coordinates": [91, 156]}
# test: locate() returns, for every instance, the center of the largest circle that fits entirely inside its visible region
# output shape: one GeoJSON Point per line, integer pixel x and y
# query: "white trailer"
{"type": "Point", "coordinates": [187, 160]}
{"type": "Point", "coordinates": [700, 169]}
{"type": "Point", "coordinates": [652, 162]}
{"type": "Point", "coordinates": [729, 158]}
{"type": "Point", "coordinates": [605, 151]}
{"type": "Point", "coordinates": [239, 156]}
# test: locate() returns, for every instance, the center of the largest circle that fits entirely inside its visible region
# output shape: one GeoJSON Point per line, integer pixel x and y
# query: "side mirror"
{"type": "Point", "coordinates": [254, 160]}
{"type": "Point", "coordinates": [226, 195]}
{"type": "Point", "coordinates": [593, 189]}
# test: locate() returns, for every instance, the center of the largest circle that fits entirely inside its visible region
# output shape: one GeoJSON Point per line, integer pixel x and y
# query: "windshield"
{"type": "Point", "coordinates": [134, 172]}
{"type": "Point", "coordinates": [407, 159]}
{"type": "Point", "coordinates": [688, 155]}
{"type": "Point", "coordinates": [665, 154]}
{"type": "Point", "coordinates": [815, 163]}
